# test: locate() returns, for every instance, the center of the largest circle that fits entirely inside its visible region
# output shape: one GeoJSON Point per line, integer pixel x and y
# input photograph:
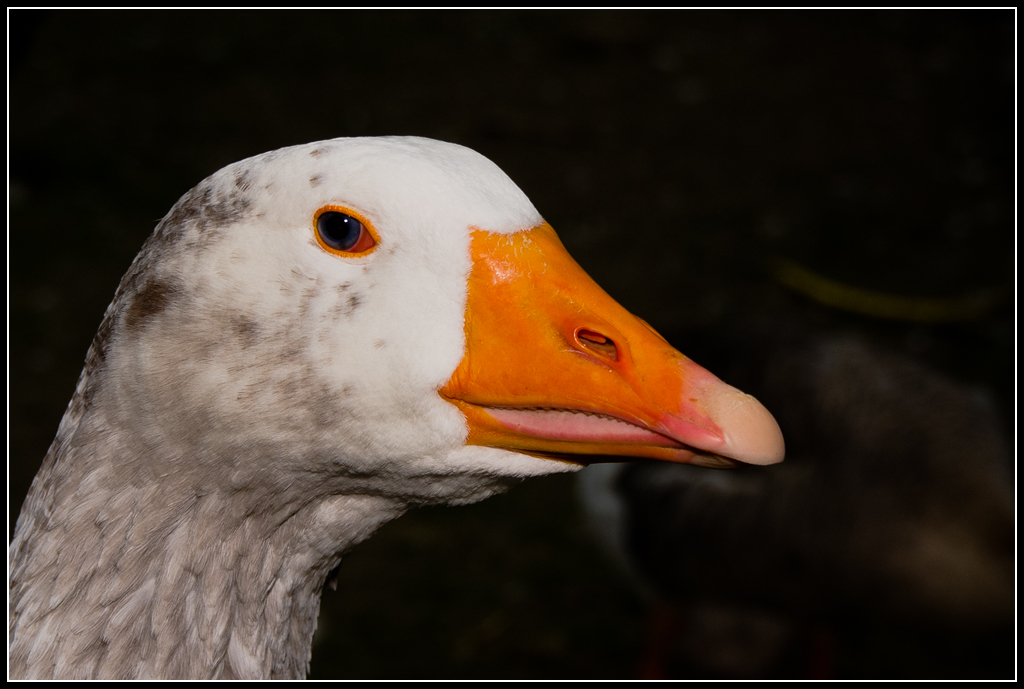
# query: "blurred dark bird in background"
{"type": "Point", "coordinates": [891, 520]}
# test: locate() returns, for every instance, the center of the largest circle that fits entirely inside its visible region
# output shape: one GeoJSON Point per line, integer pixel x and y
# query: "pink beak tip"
{"type": "Point", "coordinates": [752, 435]}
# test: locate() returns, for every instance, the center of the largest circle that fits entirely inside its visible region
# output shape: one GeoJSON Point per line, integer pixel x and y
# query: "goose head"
{"type": "Point", "coordinates": [312, 341]}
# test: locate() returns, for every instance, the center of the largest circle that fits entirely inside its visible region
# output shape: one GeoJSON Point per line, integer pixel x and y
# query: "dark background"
{"type": "Point", "coordinates": [676, 153]}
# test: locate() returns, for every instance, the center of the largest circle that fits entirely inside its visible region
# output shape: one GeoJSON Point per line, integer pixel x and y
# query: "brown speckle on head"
{"type": "Point", "coordinates": [203, 210]}
{"type": "Point", "coordinates": [225, 211]}
{"type": "Point", "coordinates": [153, 298]}
{"type": "Point", "coordinates": [315, 153]}
{"type": "Point", "coordinates": [309, 295]}
{"type": "Point", "coordinates": [346, 303]}
{"type": "Point", "coordinates": [187, 209]}
{"type": "Point", "coordinates": [289, 353]}
{"type": "Point", "coordinates": [315, 180]}
{"type": "Point", "coordinates": [246, 330]}
{"type": "Point", "coordinates": [379, 344]}
{"type": "Point", "coordinates": [243, 180]}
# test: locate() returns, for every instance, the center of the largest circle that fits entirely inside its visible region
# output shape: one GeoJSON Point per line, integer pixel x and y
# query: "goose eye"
{"type": "Point", "coordinates": [342, 232]}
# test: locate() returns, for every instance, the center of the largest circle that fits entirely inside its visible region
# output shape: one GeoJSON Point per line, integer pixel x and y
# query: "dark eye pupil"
{"type": "Point", "coordinates": [339, 231]}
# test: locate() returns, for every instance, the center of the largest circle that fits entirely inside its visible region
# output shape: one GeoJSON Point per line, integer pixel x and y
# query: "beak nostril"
{"type": "Point", "coordinates": [598, 343]}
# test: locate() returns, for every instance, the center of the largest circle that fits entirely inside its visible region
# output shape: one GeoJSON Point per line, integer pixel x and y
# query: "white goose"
{"type": "Point", "coordinates": [312, 341]}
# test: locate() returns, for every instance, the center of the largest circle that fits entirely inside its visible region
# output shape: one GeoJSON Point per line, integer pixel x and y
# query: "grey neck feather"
{"type": "Point", "coordinates": [114, 575]}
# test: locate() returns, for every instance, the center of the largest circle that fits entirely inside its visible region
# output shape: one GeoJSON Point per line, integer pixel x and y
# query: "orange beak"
{"type": "Point", "coordinates": [557, 368]}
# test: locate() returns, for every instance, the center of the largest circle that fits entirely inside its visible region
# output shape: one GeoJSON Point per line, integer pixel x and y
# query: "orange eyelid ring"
{"type": "Point", "coordinates": [368, 238]}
